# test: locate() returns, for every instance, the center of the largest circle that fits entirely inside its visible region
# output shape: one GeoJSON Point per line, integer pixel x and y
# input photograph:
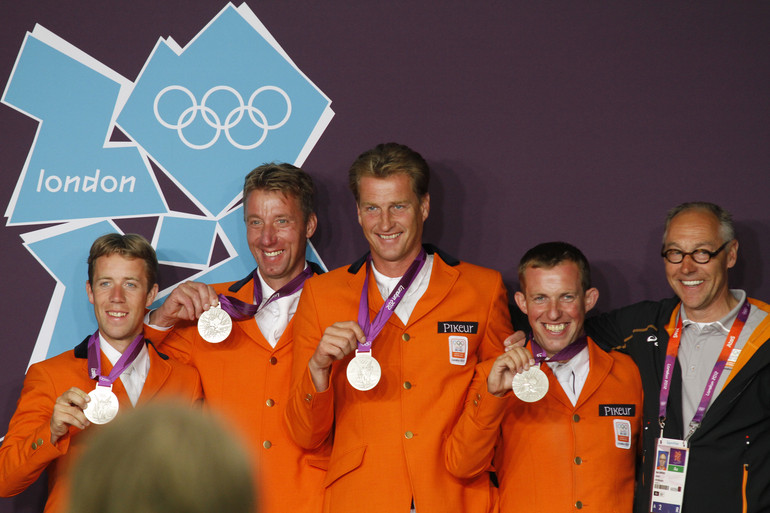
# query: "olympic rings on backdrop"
{"type": "Point", "coordinates": [212, 119]}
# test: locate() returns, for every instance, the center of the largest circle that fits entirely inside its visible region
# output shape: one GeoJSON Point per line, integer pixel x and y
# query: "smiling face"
{"type": "Point", "coordinates": [555, 304]}
{"type": "Point", "coordinates": [277, 235]}
{"type": "Point", "coordinates": [120, 293]}
{"type": "Point", "coordinates": [701, 287]}
{"type": "Point", "coordinates": [392, 218]}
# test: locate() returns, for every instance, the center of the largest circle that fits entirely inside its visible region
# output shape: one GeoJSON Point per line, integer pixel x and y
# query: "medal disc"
{"type": "Point", "coordinates": [104, 405]}
{"type": "Point", "coordinates": [530, 386]}
{"type": "Point", "coordinates": [364, 371]}
{"type": "Point", "coordinates": [215, 325]}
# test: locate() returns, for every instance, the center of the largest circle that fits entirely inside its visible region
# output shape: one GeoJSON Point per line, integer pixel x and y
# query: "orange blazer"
{"type": "Point", "coordinates": [551, 456]}
{"type": "Point", "coordinates": [27, 448]}
{"type": "Point", "coordinates": [247, 380]}
{"type": "Point", "coordinates": [388, 441]}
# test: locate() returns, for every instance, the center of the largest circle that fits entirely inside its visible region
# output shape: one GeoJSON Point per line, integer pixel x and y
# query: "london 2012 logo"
{"type": "Point", "coordinates": [202, 115]}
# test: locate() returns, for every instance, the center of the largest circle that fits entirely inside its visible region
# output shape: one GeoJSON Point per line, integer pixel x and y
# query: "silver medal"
{"type": "Point", "coordinates": [104, 405]}
{"type": "Point", "coordinates": [364, 371]}
{"type": "Point", "coordinates": [215, 325]}
{"type": "Point", "coordinates": [530, 386]}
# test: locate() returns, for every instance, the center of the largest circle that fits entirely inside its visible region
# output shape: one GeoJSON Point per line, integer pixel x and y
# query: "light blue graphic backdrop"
{"type": "Point", "coordinates": [206, 114]}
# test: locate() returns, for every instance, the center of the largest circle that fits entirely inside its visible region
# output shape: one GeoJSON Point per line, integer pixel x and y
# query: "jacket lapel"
{"type": "Point", "coordinates": [159, 372]}
{"type": "Point", "coordinates": [555, 390]}
{"type": "Point", "coordinates": [442, 279]}
{"type": "Point", "coordinates": [600, 365]}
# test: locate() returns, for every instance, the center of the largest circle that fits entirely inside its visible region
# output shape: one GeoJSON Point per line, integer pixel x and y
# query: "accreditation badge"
{"type": "Point", "coordinates": [671, 459]}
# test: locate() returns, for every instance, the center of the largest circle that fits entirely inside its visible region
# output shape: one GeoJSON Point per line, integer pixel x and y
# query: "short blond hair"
{"type": "Point", "coordinates": [130, 245]}
{"type": "Point", "coordinates": [163, 458]}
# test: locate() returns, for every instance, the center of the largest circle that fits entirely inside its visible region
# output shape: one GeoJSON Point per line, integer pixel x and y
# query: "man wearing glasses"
{"type": "Point", "coordinates": [705, 370]}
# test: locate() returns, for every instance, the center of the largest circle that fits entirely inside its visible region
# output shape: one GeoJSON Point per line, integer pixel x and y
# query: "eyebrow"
{"type": "Point", "coordinates": [697, 244]}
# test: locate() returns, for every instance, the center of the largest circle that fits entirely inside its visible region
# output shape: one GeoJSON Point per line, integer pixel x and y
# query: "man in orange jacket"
{"type": "Point", "coordinates": [566, 436]}
{"type": "Point", "coordinates": [246, 375]}
{"type": "Point", "coordinates": [113, 370]}
{"type": "Point", "coordinates": [437, 317]}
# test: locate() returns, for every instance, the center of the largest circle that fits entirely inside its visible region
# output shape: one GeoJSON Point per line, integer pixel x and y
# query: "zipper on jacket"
{"type": "Point", "coordinates": [744, 484]}
{"type": "Point", "coordinates": [743, 489]}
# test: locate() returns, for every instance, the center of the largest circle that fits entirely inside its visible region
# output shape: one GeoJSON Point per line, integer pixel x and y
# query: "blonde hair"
{"type": "Point", "coordinates": [163, 458]}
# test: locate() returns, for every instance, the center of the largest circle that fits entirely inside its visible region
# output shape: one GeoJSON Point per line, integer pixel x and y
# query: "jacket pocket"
{"type": "Point", "coordinates": [344, 463]}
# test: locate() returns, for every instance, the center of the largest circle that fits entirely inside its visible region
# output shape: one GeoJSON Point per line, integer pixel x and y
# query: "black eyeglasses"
{"type": "Point", "coordinates": [699, 256]}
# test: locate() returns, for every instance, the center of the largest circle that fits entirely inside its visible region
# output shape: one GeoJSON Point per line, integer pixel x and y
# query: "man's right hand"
{"type": "Point", "coordinates": [68, 411]}
{"type": "Point", "coordinates": [185, 303]}
{"type": "Point", "coordinates": [339, 340]}
{"type": "Point", "coordinates": [515, 360]}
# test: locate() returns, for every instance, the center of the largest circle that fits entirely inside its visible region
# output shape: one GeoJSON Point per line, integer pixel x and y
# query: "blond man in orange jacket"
{"type": "Point", "coordinates": [246, 376]}
{"type": "Point", "coordinates": [49, 428]}
{"type": "Point", "coordinates": [387, 434]}
{"type": "Point", "coordinates": [571, 440]}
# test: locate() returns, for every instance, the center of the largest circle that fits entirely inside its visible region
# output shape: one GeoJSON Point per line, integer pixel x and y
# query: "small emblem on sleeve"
{"type": "Point", "coordinates": [470, 328]}
{"type": "Point", "coordinates": [617, 410]}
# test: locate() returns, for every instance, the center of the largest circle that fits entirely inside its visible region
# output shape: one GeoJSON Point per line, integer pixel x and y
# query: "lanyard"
{"type": "Point", "coordinates": [373, 328]}
{"type": "Point", "coordinates": [564, 355]}
{"type": "Point", "coordinates": [668, 368]}
{"type": "Point", "coordinates": [125, 360]}
{"type": "Point", "coordinates": [240, 310]}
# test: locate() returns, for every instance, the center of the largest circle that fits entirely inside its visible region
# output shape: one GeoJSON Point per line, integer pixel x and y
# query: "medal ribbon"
{"type": "Point", "coordinates": [373, 328]}
{"type": "Point", "coordinates": [239, 310]}
{"type": "Point", "coordinates": [668, 368]}
{"type": "Point", "coordinates": [562, 356]}
{"type": "Point", "coordinates": [125, 360]}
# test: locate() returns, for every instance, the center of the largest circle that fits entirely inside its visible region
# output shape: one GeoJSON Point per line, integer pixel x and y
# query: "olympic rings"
{"type": "Point", "coordinates": [212, 119]}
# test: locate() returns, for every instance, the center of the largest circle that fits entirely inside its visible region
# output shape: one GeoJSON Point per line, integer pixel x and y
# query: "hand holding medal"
{"type": "Point", "coordinates": [104, 404]}
{"type": "Point", "coordinates": [516, 365]}
{"type": "Point", "coordinates": [364, 372]}
{"type": "Point", "coordinates": [216, 323]}
{"type": "Point", "coordinates": [532, 385]}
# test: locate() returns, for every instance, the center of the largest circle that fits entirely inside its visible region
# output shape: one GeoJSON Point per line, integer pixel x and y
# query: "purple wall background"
{"type": "Point", "coordinates": [541, 120]}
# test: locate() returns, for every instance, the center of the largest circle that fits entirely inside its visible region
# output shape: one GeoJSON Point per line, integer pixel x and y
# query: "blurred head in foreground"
{"type": "Point", "coordinates": [164, 458]}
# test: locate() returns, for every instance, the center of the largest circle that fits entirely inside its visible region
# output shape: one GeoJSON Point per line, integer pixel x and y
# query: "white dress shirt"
{"type": "Point", "coordinates": [385, 284]}
{"type": "Point", "coordinates": [134, 376]}
{"type": "Point", "coordinates": [572, 374]}
{"type": "Point", "coordinates": [274, 318]}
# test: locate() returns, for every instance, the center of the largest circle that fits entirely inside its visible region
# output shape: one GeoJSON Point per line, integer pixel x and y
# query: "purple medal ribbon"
{"type": "Point", "coordinates": [562, 356]}
{"type": "Point", "coordinates": [668, 368]}
{"type": "Point", "coordinates": [125, 360]}
{"type": "Point", "coordinates": [373, 328]}
{"type": "Point", "coordinates": [239, 310]}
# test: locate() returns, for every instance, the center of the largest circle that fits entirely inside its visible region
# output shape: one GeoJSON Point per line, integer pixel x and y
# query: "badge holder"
{"type": "Point", "coordinates": [671, 459]}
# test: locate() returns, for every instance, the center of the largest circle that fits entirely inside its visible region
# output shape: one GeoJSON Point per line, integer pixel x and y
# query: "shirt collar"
{"type": "Point", "coordinates": [725, 322]}
{"type": "Point", "coordinates": [267, 291]}
{"type": "Point", "coordinates": [113, 355]}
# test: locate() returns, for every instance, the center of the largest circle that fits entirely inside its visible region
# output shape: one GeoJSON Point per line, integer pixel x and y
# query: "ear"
{"type": "Point", "coordinates": [151, 295]}
{"type": "Point", "coordinates": [732, 254]}
{"type": "Point", "coordinates": [591, 297]}
{"type": "Point", "coordinates": [89, 292]}
{"type": "Point", "coordinates": [521, 302]}
{"type": "Point", "coordinates": [425, 206]}
{"type": "Point", "coordinates": [310, 226]}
